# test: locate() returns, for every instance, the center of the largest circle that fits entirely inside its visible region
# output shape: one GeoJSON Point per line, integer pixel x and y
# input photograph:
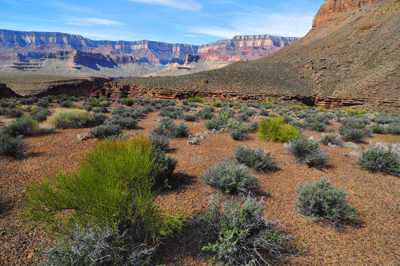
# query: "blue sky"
{"type": "Point", "coordinates": [173, 21]}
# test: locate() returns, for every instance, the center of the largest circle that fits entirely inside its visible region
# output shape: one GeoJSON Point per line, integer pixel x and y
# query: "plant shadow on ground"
{"type": "Point", "coordinates": [189, 241]}
{"type": "Point", "coordinates": [179, 181]}
{"type": "Point", "coordinates": [6, 208]}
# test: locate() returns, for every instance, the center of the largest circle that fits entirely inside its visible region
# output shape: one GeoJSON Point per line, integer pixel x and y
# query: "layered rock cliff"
{"type": "Point", "coordinates": [28, 51]}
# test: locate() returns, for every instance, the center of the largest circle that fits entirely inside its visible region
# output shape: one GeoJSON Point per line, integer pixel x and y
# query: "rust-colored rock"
{"type": "Point", "coordinates": [331, 8]}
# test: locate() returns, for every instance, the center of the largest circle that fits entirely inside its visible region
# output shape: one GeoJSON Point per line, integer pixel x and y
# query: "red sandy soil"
{"type": "Point", "coordinates": [375, 240]}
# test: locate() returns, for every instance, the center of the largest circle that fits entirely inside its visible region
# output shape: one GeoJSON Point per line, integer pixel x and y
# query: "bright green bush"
{"type": "Point", "coordinates": [196, 99]}
{"type": "Point", "coordinates": [323, 200]}
{"type": "Point", "coordinates": [217, 104]}
{"type": "Point", "coordinates": [244, 238]}
{"type": "Point", "coordinates": [72, 118]}
{"type": "Point", "coordinates": [111, 188]}
{"type": "Point", "coordinates": [129, 102]}
{"type": "Point", "coordinates": [273, 129]}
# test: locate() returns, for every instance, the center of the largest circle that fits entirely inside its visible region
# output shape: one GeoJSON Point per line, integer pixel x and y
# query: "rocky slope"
{"type": "Point", "coordinates": [351, 52]}
{"type": "Point", "coordinates": [48, 51]}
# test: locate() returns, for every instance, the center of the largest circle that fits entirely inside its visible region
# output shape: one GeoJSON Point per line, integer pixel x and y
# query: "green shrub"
{"type": "Point", "coordinates": [189, 117]}
{"type": "Point", "coordinates": [166, 167]}
{"type": "Point", "coordinates": [93, 246]}
{"type": "Point", "coordinates": [171, 112]}
{"type": "Point", "coordinates": [169, 129]}
{"type": "Point", "coordinates": [40, 114]}
{"type": "Point", "coordinates": [244, 238]}
{"type": "Point", "coordinates": [217, 104]}
{"type": "Point", "coordinates": [273, 129]}
{"type": "Point", "coordinates": [307, 151]}
{"type": "Point", "coordinates": [230, 177]}
{"type": "Point", "coordinates": [13, 113]}
{"type": "Point", "coordinates": [214, 123]}
{"type": "Point", "coordinates": [124, 122]}
{"type": "Point", "coordinates": [105, 131]}
{"type": "Point", "coordinates": [12, 146]}
{"type": "Point", "coordinates": [323, 200]}
{"type": "Point", "coordinates": [238, 134]}
{"type": "Point", "coordinates": [254, 158]}
{"type": "Point", "coordinates": [196, 99]}
{"type": "Point", "coordinates": [377, 129]}
{"type": "Point", "coordinates": [111, 188]}
{"type": "Point", "coordinates": [159, 141]}
{"type": "Point", "coordinates": [393, 128]}
{"type": "Point", "coordinates": [264, 112]}
{"type": "Point", "coordinates": [356, 112]}
{"type": "Point", "coordinates": [129, 102]}
{"type": "Point", "coordinates": [43, 103]}
{"type": "Point", "coordinates": [355, 134]}
{"type": "Point", "coordinates": [332, 138]}
{"type": "Point", "coordinates": [20, 126]}
{"type": "Point", "coordinates": [74, 118]}
{"type": "Point", "coordinates": [381, 158]}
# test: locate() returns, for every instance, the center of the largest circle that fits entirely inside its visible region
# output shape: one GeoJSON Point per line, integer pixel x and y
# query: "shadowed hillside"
{"type": "Point", "coordinates": [353, 50]}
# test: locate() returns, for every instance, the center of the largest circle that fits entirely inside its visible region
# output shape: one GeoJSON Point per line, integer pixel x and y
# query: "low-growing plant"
{"type": "Point", "coordinates": [20, 126]}
{"type": "Point", "coordinates": [44, 103]}
{"type": "Point", "coordinates": [104, 131]}
{"type": "Point", "coordinates": [159, 141]}
{"type": "Point", "coordinates": [231, 177]}
{"type": "Point", "coordinates": [12, 146]}
{"type": "Point", "coordinates": [332, 138]}
{"type": "Point", "coordinates": [13, 113]}
{"type": "Point", "coordinates": [112, 187]}
{"type": "Point", "coordinates": [322, 200]}
{"type": "Point", "coordinates": [72, 118]}
{"type": "Point", "coordinates": [273, 129]}
{"type": "Point", "coordinates": [189, 117]}
{"type": "Point", "coordinates": [40, 114]}
{"type": "Point", "coordinates": [377, 129]}
{"type": "Point", "coordinates": [238, 134]}
{"type": "Point", "coordinates": [244, 238]}
{"type": "Point", "coordinates": [217, 104]}
{"type": "Point", "coordinates": [94, 246]}
{"type": "Point", "coordinates": [264, 112]}
{"type": "Point", "coordinates": [307, 151]}
{"type": "Point", "coordinates": [196, 99]}
{"type": "Point", "coordinates": [256, 159]}
{"type": "Point", "coordinates": [171, 112]}
{"type": "Point", "coordinates": [393, 128]}
{"type": "Point", "coordinates": [381, 158]}
{"type": "Point", "coordinates": [124, 122]}
{"type": "Point", "coordinates": [356, 112]}
{"type": "Point", "coordinates": [128, 102]}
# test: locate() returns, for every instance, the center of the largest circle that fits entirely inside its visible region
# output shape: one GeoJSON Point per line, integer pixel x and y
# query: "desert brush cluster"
{"type": "Point", "coordinates": [105, 211]}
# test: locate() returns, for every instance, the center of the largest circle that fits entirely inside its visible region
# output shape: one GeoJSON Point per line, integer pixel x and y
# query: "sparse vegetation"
{"type": "Point", "coordinates": [322, 200]}
{"type": "Point", "coordinates": [383, 158]}
{"type": "Point", "coordinates": [230, 177]}
{"type": "Point", "coordinates": [12, 146]}
{"type": "Point", "coordinates": [307, 151]}
{"type": "Point", "coordinates": [72, 118]}
{"type": "Point", "coordinates": [20, 126]}
{"type": "Point", "coordinates": [243, 235]}
{"type": "Point", "coordinates": [257, 159]}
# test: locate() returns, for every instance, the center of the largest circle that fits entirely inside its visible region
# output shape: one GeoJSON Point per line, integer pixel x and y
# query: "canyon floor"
{"type": "Point", "coordinates": [374, 240]}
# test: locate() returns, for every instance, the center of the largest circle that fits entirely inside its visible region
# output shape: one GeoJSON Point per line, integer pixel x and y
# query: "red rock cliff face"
{"type": "Point", "coordinates": [332, 8]}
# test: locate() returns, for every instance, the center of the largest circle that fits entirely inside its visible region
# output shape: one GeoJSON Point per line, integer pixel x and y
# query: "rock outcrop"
{"type": "Point", "coordinates": [332, 8]}
{"type": "Point", "coordinates": [114, 90]}
{"type": "Point", "coordinates": [6, 92]}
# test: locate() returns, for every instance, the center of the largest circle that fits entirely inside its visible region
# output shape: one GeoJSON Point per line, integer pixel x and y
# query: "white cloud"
{"type": "Point", "coordinates": [216, 32]}
{"type": "Point", "coordinates": [286, 25]}
{"type": "Point", "coordinates": [71, 8]}
{"type": "Point", "coordinates": [93, 22]}
{"type": "Point", "coordinates": [190, 36]}
{"type": "Point", "coordinates": [189, 5]}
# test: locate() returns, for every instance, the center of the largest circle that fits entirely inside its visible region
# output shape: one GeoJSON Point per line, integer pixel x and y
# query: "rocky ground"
{"type": "Point", "coordinates": [374, 240]}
